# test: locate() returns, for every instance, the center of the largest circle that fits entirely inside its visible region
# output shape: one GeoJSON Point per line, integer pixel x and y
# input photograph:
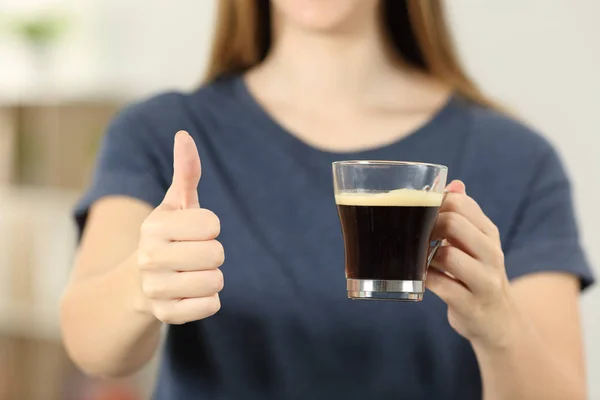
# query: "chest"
{"type": "Point", "coordinates": [281, 237]}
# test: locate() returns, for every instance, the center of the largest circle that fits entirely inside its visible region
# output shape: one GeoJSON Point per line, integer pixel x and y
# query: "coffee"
{"type": "Point", "coordinates": [387, 235]}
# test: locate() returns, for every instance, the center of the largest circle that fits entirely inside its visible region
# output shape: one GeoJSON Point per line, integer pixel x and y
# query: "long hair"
{"type": "Point", "coordinates": [417, 31]}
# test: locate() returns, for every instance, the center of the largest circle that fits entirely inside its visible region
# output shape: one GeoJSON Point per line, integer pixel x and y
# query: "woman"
{"type": "Point", "coordinates": [292, 86]}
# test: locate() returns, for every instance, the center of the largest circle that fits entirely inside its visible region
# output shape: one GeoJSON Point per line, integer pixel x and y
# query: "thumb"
{"type": "Point", "coordinates": [183, 192]}
{"type": "Point", "coordinates": [456, 186]}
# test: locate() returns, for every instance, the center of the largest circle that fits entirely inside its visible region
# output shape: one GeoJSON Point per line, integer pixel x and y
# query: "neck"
{"type": "Point", "coordinates": [347, 64]}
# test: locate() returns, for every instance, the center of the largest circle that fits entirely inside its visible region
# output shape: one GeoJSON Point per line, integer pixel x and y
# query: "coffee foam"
{"type": "Point", "coordinates": [397, 198]}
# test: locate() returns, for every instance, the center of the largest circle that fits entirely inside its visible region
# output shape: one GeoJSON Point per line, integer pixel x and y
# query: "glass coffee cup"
{"type": "Point", "coordinates": [387, 211]}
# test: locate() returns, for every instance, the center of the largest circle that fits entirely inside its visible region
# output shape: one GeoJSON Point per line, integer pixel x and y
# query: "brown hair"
{"type": "Point", "coordinates": [417, 31]}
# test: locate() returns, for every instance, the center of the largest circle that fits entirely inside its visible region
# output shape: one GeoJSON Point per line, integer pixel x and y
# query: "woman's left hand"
{"type": "Point", "coordinates": [468, 272]}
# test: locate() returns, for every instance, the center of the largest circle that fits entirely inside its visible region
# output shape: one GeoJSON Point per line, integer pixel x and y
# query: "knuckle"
{"type": "Point", "coordinates": [212, 282]}
{"type": "Point", "coordinates": [470, 202]}
{"type": "Point", "coordinates": [452, 202]}
{"type": "Point", "coordinates": [451, 223]}
{"type": "Point", "coordinates": [219, 253]}
{"type": "Point", "coordinates": [212, 222]}
{"type": "Point", "coordinates": [495, 284]}
{"type": "Point", "coordinates": [219, 281]}
{"type": "Point", "coordinates": [147, 259]}
{"type": "Point", "coordinates": [213, 306]}
{"type": "Point", "coordinates": [164, 315]}
{"type": "Point", "coordinates": [152, 289]}
{"type": "Point", "coordinates": [495, 232]}
{"type": "Point", "coordinates": [499, 256]}
{"type": "Point", "coordinates": [151, 226]}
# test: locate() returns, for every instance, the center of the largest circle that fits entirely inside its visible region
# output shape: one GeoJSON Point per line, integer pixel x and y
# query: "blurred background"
{"type": "Point", "coordinates": [66, 66]}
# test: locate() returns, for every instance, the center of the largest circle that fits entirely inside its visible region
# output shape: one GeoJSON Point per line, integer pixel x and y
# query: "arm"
{"type": "Point", "coordinates": [544, 356]}
{"type": "Point", "coordinates": [104, 329]}
{"type": "Point", "coordinates": [526, 335]}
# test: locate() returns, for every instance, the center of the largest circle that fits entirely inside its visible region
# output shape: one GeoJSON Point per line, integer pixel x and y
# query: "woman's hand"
{"type": "Point", "coordinates": [468, 271]}
{"type": "Point", "coordinates": [178, 256]}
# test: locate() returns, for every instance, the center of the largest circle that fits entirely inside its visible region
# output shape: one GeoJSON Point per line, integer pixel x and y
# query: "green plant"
{"type": "Point", "coordinates": [40, 30]}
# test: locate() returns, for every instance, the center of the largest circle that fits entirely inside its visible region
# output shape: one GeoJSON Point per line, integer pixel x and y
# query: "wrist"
{"type": "Point", "coordinates": [513, 328]}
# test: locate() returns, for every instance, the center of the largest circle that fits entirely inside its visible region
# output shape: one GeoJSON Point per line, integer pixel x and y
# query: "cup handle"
{"type": "Point", "coordinates": [433, 248]}
{"type": "Point", "coordinates": [435, 244]}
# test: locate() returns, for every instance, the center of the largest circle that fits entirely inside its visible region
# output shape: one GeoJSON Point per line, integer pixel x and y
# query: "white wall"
{"type": "Point", "coordinates": [154, 45]}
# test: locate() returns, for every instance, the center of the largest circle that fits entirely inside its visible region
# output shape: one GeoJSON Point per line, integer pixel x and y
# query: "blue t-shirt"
{"type": "Point", "coordinates": [286, 329]}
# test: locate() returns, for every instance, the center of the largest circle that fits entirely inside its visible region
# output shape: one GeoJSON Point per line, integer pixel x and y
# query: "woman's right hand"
{"type": "Point", "coordinates": [178, 255]}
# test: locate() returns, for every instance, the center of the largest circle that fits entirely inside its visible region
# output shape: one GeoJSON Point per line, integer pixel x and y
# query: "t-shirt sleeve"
{"type": "Point", "coordinates": [127, 165]}
{"type": "Point", "coordinates": [546, 236]}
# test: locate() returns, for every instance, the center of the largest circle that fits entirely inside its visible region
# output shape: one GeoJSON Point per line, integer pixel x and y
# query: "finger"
{"type": "Point", "coordinates": [183, 225]}
{"type": "Point", "coordinates": [460, 232]}
{"type": "Point", "coordinates": [463, 267]}
{"type": "Point", "coordinates": [450, 290]}
{"type": "Point", "coordinates": [181, 311]}
{"type": "Point", "coordinates": [183, 192]}
{"type": "Point", "coordinates": [182, 285]}
{"type": "Point", "coordinates": [191, 256]}
{"type": "Point", "coordinates": [456, 186]}
{"type": "Point", "coordinates": [467, 207]}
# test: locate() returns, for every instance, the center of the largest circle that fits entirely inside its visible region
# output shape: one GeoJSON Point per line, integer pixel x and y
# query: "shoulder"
{"type": "Point", "coordinates": [503, 147]}
{"type": "Point", "coordinates": [179, 102]}
{"type": "Point", "coordinates": [157, 106]}
{"type": "Point", "coordinates": [146, 118]}
{"type": "Point", "coordinates": [504, 161]}
{"type": "Point", "coordinates": [168, 112]}
{"type": "Point", "coordinates": [157, 111]}
{"type": "Point", "coordinates": [492, 132]}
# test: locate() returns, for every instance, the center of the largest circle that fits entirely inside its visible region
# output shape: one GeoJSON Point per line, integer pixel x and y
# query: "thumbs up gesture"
{"type": "Point", "coordinates": [178, 255]}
